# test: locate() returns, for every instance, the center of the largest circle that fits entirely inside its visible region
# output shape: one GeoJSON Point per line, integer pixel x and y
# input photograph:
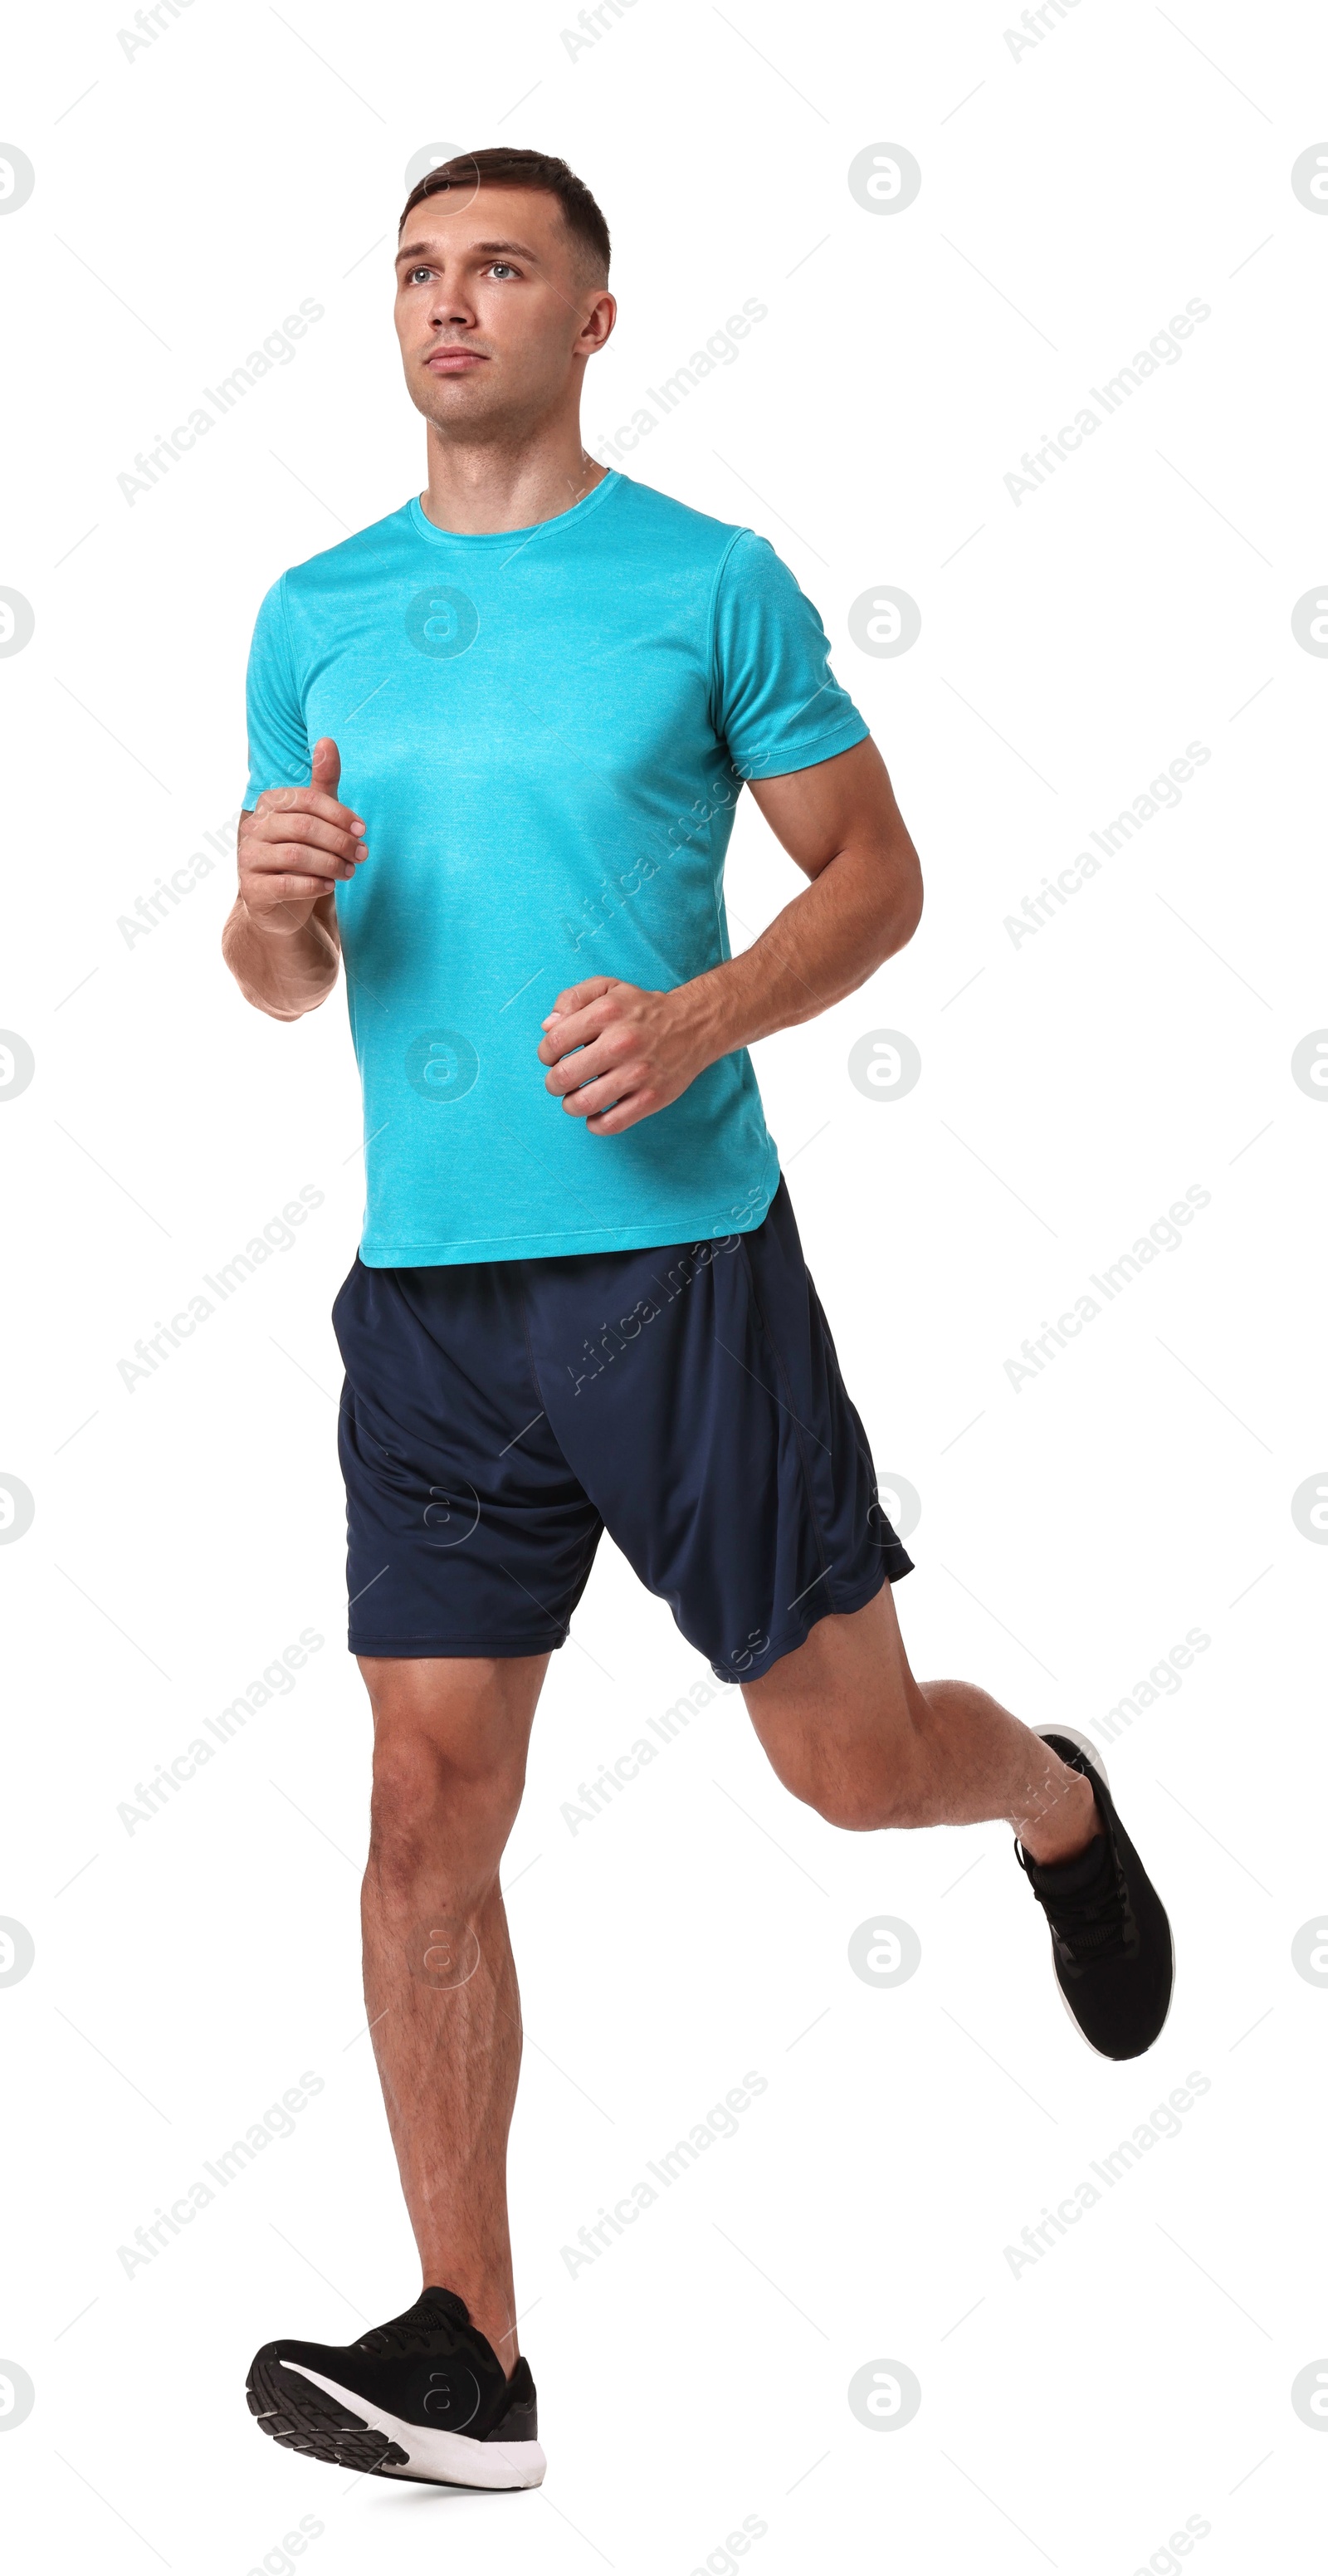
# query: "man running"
{"type": "Point", "coordinates": [580, 1301]}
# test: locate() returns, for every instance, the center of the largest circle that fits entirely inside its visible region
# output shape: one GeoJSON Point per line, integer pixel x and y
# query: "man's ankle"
{"type": "Point", "coordinates": [505, 2341]}
{"type": "Point", "coordinates": [489, 2317]}
{"type": "Point", "coordinates": [1065, 1829]}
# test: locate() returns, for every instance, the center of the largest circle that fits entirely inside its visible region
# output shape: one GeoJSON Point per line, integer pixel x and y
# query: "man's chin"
{"type": "Point", "coordinates": [453, 402]}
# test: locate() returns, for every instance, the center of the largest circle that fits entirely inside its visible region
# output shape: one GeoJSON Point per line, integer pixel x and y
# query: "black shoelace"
{"type": "Point", "coordinates": [1091, 1923]}
{"type": "Point", "coordinates": [415, 2330]}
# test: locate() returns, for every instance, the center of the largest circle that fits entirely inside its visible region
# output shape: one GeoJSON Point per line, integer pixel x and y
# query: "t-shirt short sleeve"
{"type": "Point", "coordinates": [776, 701]}
{"type": "Point", "coordinates": [278, 741]}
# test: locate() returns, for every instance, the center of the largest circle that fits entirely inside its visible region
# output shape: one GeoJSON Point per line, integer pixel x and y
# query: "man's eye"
{"type": "Point", "coordinates": [501, 268]}
{"type": "Point", "coordinates": [416, 274]}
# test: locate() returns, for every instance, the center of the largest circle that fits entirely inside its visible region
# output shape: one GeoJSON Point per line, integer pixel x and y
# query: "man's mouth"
{"type": "Point", "coordinates": [454, 362]}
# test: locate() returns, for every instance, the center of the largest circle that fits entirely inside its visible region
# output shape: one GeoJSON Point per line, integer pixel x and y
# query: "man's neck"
{"type": "Point", "coordinates": [482, 490]}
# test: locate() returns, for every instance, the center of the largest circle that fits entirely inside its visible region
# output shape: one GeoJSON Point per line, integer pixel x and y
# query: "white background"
{"type": "Point", "coordinates": [1073, 198]}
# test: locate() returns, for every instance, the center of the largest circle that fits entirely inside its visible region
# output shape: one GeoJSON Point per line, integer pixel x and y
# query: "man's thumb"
{"type": "Point", "coordinates": [326, 765]}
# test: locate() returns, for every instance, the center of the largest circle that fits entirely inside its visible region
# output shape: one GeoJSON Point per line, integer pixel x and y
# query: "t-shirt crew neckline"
{"type": "Point", "coordinates": [425, 526]}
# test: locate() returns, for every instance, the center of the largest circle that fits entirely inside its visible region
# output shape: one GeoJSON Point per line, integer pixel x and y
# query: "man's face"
{"type": "Point", "coordinates": [494, 311]}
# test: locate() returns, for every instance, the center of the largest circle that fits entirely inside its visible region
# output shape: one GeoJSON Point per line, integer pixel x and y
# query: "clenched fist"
{"type": "Point", "coordinates": [297, 845]}
{"type": "Point", "coordinates": [617, 1053]}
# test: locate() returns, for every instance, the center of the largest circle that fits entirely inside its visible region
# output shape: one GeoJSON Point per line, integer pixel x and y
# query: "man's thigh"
{"type": "Point", "coordinates": [451, 1738]}
{"type": "Point", "coordinates": [474, 1711]}
{"type": "Point", "coordinates": [696, 1393]}
{"type": "Point", "coordinates": [469, 1538]}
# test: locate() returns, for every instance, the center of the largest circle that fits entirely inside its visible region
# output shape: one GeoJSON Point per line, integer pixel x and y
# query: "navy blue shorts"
{"type": "Point", "coordinates": [497, 1415]}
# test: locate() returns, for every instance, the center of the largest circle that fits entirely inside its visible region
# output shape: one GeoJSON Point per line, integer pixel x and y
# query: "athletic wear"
{"type": "Point", "coordinates": [1110, 1936]}
{"type": "Point", "coordinates": [498, 1415]}
{"type": "Point", "coordinates": [545, 732]}
{"type": "Point", "coordinates": [424, 2397]}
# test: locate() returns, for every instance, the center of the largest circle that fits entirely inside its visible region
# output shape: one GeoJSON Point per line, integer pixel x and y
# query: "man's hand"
{"type": "Point", "coordinates": [840, 824]}
{"type": "Point", "coordinates": [297, 845]}
{"type": "Point", "coordinates": [638, 1050]}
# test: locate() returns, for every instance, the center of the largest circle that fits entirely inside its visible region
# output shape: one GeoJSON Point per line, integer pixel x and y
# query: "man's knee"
{"type": "Point", "coordinates": [858, 1802]}
{"type": "Point", "coordinates": [439, 1810]}
{"type": "Point", "coordinates": [861, 1778]}
{"type": "Point", "coordinates": [450, 1738]}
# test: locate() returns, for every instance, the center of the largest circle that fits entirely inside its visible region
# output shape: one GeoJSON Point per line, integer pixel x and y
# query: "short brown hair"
{"type": "Point", "coordinates": [503, 166]}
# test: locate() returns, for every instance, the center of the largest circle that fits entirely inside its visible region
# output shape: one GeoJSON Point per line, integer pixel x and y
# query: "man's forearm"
{"type": "Point", "coordinates": [823, 944]}
{"type": "Point", "coordinates": [283, 972]}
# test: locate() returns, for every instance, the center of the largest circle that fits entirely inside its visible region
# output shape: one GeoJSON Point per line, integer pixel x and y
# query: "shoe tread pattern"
{"type": "Point", "coordinates": [301, 2417]}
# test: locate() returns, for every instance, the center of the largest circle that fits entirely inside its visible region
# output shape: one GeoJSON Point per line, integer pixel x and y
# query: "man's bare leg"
{"type": "Point", "coordinates": [450, 1742]}
{"type": "Point", "coordinates": [849, 1730]}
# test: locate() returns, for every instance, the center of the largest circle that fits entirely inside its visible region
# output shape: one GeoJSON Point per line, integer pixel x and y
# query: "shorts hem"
{"type": "Point", "coordinates": [418, 1649]}
{"type": "Point", "coordinates": [895, 1564]}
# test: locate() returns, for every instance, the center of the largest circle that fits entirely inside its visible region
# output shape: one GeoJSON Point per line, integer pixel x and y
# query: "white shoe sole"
{"type": "Point", "coordinates": [449, 2459]}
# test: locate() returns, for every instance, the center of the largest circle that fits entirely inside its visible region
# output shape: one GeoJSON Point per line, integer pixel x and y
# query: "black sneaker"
{"type": "Point", "coordinates": [1109, 1931]}
{"type": "Point", "coordinates": [423, 2397]}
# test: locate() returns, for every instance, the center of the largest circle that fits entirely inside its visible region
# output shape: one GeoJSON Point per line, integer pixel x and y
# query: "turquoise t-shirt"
{"type": "Point", "coordinates": [546, 732]}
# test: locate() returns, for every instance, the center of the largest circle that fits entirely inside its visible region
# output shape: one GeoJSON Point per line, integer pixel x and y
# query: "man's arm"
{"type": "Point", "coordinates": [840, 823]}
{"type": "Point", "coordinates": [280, 940]}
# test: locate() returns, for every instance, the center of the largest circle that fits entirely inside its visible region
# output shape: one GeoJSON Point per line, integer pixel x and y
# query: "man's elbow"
{"type": "Point", "coordinates": [234, 959]}
{"type": "Point", "coordinates": [911, 898]}
{"type": "Point", "coordinates": [901, 911]}
{"type": "Point", "coordinates": [285, 1006]}
{"type": "Point", "coordinates": [279, 995]}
